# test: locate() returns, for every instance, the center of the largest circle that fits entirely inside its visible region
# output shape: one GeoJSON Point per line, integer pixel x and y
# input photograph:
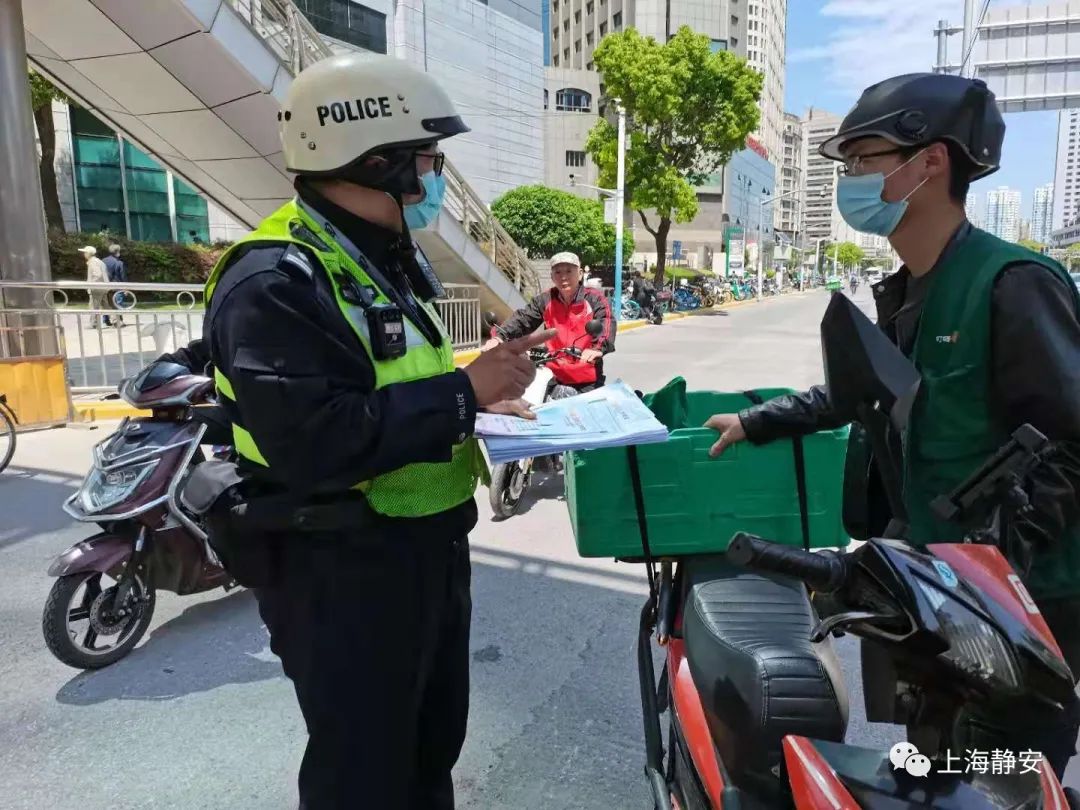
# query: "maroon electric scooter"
{"type": "Point", "coordinates": [103, 599]}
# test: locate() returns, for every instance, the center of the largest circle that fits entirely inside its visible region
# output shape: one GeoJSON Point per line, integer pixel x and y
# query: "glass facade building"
{"type": "Point", "coordinates": [120, 188]}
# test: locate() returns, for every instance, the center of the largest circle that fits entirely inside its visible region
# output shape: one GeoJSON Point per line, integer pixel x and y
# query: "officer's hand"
{"type": "Point", "coordinates": [730, 428]}
{"type": "Point", "coordinates": [512, 407]}
{"type": "Point", "coordinates": [591, 355]}
{"type": "Point", "coordinates": [504, 372]}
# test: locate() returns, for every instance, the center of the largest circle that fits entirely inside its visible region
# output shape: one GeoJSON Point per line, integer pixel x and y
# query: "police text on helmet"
{"type": "Point", "coordinates": [341, 111]}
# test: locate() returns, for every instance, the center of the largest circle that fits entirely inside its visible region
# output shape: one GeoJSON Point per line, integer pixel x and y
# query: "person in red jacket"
{"type": "Point", "coordinates": [566, 308]}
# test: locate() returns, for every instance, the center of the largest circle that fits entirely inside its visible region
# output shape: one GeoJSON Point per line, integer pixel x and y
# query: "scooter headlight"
{"type": "Point", "coordinates": [106, 488]}
{"type": "Point", "coordinates": [975, 647]}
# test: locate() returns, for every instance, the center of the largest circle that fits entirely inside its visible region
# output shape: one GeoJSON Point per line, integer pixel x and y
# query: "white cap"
{"type": "Point", "coordinates": [89, 250]}
{"type": "Point", "coordinates": [347, 106]}
{"type": "Point", "coordinates": [566, 257]}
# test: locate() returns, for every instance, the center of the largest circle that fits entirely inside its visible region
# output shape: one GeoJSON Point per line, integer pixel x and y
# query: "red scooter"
{"type": "Point", "coordinates": [756, 702]}
{"type": "Point", "coordinates": [103, 599]}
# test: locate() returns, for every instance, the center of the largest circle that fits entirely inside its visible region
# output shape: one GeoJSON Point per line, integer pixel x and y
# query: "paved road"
{"type": "Point", "coordinates": [200, 715]}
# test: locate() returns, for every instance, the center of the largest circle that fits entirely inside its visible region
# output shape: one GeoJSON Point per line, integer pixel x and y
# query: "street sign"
{"type": "Point", "coordinates": [609, 210]}
{"type": "Point", "coordinates": [736, 252]}
{"type": "Point", "coordinates": [676, 250]}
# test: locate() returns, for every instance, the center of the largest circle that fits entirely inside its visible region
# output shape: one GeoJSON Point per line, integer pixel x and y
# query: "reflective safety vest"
{"type": "Point", "coordinates": [415, 490]}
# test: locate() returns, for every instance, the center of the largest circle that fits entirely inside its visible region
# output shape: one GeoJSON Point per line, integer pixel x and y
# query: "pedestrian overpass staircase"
{"type": "Point", "coordinates": [197, 84]}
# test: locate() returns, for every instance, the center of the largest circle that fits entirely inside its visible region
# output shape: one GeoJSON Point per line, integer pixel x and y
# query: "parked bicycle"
{"type": "Point", "coordinates": [8, 420]}
{"type": "Point", "coordinates": [686, 299]}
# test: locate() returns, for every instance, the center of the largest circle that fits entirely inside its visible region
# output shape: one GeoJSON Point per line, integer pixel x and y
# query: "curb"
{"type": "Point", "coordinates": [101, 410]}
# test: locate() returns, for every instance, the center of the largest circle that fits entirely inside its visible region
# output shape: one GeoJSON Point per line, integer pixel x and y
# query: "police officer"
{"type": "Point", "coordinates": [355, 434]}
{"type": "Point", "coordinates": [993, 328]}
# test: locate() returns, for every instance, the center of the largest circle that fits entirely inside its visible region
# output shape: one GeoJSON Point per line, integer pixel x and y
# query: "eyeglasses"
{"type": "Point", "coordinates": [438, 160]}
{"type": "Point", "coordinates": [853, 165]}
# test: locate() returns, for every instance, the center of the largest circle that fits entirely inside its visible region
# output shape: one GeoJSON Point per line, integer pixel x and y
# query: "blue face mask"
{"type": "Point", "coordinates": [859, 199]}
{"type": "Point", "coordinates": [423, 213]}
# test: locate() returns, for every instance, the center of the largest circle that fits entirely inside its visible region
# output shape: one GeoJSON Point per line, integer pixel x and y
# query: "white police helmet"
{"type": "Point", "coordinates": [349, 107]}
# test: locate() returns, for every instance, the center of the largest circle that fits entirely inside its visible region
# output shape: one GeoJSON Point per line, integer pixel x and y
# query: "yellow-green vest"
{"type": "Point", "coordinates": [415, 490]}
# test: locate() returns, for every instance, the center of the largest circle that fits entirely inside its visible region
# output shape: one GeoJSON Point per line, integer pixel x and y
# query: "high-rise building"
{"type": "Point", "coordinates": [755, 30]}
{"type": "Point", "coordinates": [1042, 212]}
{"type": "Point", "coordinates": [971, 208]}
{"type": "Point", "coordinates": [1003, 213]}
{"type": "Point", "coordinates": [788, 209]}
{"type": "Point", "coordinates": [821, 218]}
{"type": "Point", "coordinates": [766, 50]}
{"type": "Point", "coordinates": [1066, 206]}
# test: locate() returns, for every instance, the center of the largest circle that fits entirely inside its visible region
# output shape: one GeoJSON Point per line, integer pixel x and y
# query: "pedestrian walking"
{"type": "Point", "coordinates": [96, 273]}
{"type": "Point", "coordinates": [117, 272]}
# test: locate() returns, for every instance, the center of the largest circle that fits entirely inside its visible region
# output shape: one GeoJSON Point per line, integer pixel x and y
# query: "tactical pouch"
{"type": "Point", "coordinates": [219, 493]}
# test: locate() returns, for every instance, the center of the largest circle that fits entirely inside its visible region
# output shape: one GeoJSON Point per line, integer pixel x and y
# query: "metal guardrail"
{"type": "Point", "coordinates": [297, 44]}
{"type": "Point", "coordinates": [100, 356]}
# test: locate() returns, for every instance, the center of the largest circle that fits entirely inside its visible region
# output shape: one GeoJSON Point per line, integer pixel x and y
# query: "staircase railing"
{"type": "Point", "coordinates": [283, 26]}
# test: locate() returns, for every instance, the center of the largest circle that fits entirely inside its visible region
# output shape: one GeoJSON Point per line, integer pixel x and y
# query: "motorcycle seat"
{"type": "Point", "coordinates": [760, 678]}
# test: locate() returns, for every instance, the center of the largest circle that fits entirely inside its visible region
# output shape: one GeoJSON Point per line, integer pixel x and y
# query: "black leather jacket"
{"type": "Point", "coordinates": [1035, 378]}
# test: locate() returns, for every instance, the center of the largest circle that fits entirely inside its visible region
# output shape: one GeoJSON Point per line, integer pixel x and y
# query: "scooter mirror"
{"type": "Point", "coordinates": [863, 368]}
{"type": "Point", "coordinates": [594, 328]}
{"type": "Point", "coordinates": [490, 319]}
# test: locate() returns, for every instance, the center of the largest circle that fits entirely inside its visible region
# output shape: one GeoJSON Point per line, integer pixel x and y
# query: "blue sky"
{"type": "Point", "coordinates": [836, 48]}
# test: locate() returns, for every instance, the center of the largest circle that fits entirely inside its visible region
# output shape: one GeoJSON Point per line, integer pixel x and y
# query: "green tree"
{"type": "Point", "coordinates": [687, 111]}
{"type": "Point", "coordinates": [847, 254]}
{"type": "Point", "coordinates": [42, 94]}
{"type": "Point", "coordinates": [545, 221]}
{"type": "Point", "coordinates": [1031, 244]}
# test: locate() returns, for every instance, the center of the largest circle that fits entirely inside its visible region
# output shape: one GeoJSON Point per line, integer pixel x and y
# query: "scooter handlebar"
{"type": "Point", "coordinates": [825, 571]}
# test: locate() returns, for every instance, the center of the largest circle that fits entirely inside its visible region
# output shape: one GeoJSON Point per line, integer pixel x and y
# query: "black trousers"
{"type": "Point", "coordinates": [1063, 618]}
{"type": "Point", "coordinates": [373, 631]}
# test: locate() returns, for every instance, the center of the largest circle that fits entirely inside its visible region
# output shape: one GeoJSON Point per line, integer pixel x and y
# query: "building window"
{"type": "Point", "coordinates": [616, 21]}
{"type": "Point", "coordinates": [589, 7]}
{"type": "Point", "coordinates": [143, 194]}
{"type": "Point", "coordinates": [566, 25]}
{"type": "Point", "coordinates": [603, 28]}
{"type": "Point", "coordinates": [545, 98]}
{"type": "Point", "coordinates": [589, 38]}
{"type": "Point", "coordinates": [577, 46]}
{"type": "Point", "coordinates": [571, 99]}
{"type": "Point", "coordinates": [575, 160]}
{"type": "Point", "coordinates": [589, 66]}
{"type": "Point", "coordinates": [554, 6]}
{"type": "Point", "coordinates": [566, 54]}
{"type": "Point", "coordinates": [348, 21]}
{"type": "Point", "coordinates": [717, 45]}
{"type": "Point", "coordinates": [577, 18]}
{"type": "Point", "coordinates": [555, 60]}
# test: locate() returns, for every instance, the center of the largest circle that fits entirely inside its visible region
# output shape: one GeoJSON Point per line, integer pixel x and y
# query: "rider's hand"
{"type": "Point", "coordinates": [591, 355]}
{"type": "Point", "coordinates": [730, 428]}
{"type": "Point", "coordinates": [512, 407]}
{"type": "Point", "coordinates": [504, 372]}
{"type": "Point", "coordinates": [491, 344]}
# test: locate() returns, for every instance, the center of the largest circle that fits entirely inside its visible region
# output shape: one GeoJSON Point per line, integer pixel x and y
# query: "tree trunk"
{"type": "Point", "coordinates": [54, 215]}
{"type": "Point", "coordinates": [661, 235]}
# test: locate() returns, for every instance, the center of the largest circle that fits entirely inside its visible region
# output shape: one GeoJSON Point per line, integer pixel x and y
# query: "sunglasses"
{"type": "Point", "coordinates": [438, 160]}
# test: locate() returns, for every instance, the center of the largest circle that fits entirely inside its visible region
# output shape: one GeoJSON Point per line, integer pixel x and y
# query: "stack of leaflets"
{"type": "Point", "coordinates": [610, 416]}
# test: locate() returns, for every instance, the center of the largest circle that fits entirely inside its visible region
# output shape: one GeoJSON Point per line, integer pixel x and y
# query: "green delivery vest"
{"type": "Point", "coordinates": [415, 490]}
{"type": "Point", "coordinates": [952, 429]}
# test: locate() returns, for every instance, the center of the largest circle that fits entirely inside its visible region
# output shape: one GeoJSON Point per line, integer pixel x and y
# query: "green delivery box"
{"type": "Point", "coordinates": [693, 503]}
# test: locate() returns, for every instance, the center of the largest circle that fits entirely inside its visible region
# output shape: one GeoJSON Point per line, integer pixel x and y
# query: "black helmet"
{"type": "Point", "coordinates": [920, 108]}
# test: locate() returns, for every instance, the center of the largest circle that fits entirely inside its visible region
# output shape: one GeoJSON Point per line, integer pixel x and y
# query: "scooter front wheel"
{"type": "Point", "coordinates": [83, 627]}
{"type": "Point", "coordinates": [508, 484]}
